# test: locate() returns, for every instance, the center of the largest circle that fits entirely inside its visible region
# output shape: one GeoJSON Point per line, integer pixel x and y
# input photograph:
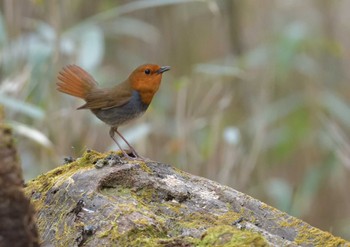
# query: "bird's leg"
{"type": "Point", "coordinates": [111, 133]}
{"type": "Point", "coordinates": [127, 143]}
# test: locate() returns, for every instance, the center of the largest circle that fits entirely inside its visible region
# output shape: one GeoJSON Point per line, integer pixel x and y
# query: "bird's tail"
{"type": "Point", "coordinates": [75, 81]}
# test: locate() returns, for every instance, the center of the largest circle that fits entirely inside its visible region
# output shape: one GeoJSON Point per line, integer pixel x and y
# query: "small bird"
{"type": "Point", "coordinates": [117, 105]}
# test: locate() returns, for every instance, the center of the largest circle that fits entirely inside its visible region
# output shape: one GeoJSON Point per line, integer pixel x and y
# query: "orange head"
{"type": "Point", "coordinates": [146, 80]}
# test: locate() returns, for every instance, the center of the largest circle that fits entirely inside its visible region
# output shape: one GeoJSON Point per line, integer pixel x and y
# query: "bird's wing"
{"type": "Point", "coordinates": [108, 98]}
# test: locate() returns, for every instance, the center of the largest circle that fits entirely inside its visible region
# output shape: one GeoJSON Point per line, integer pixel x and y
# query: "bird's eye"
{"type": "Point", "coordinates": [147, 71]}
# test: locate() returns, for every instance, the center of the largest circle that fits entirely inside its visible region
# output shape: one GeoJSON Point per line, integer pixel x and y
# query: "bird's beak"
{"type": "Point", "coordinates": [163, 69]}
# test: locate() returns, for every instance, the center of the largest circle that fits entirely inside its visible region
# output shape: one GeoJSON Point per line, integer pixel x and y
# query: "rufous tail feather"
{"type": "Point", "coordinates": [75, 81]}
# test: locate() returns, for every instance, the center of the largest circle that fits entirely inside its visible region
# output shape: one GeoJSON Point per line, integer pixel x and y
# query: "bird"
{"type": "Point", "coordinates": [117, 105]}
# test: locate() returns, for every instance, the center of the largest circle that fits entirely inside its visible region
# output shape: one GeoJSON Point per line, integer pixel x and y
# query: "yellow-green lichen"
{"type": "Point", "coordinates": [229, 217]}
{"type": "Point", "coordinates": [314, 236]}
{"type": "Point", "coordinates": [306, 234]}
{"type": "Point", "coordinates": [60, 174]}
{"type": "Point", "coordinates": [198, 219]}
{"type": "Point", "coordinates": [142, 236]}
{"type": "Point", "coordinates": [144, 195]}
{"type": "Point", "coordinates": [227, 236]}
{"type": "Point", "coordinates": [144, 166]}
{"type": "Point", "coordinates": [38, 188]}
{"type": "Point", "coordinates": [181, 172]}
{"type": "Point", "coordinates": [145, 234]}
{"type": "Point", "coordinates": [118, 191]}
{"type": "Point", "coordinates": [111, 233]}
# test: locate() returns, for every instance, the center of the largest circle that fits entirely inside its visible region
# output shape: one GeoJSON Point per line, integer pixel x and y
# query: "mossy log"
{"type": "Point", "coordinates": [104, 200]}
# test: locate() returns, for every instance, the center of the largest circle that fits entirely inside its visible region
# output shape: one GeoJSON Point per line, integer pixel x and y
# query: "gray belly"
{"type": "Point", "coordinates": [120, 115]}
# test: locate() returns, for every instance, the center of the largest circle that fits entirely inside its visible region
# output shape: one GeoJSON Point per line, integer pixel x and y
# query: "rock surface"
{"type": "Point", "coordinates": [103, 200]}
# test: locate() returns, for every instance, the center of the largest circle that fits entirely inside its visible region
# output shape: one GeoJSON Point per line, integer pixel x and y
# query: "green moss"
{"type": "Point", "coordinates": [149, 234]}
{"type": "Point", "coordinates": [181, 172]}
{"type": "Point", "coordinates": [59, 175]}
{"type": "Point", "coordinates": [230, 236]}
{"type": "Point", "coordinates": [195, 220]}
{"type": "Point", "coordinates": [307, 235]}
{"type": "Point", "coordinates": [229, 217]}
{"type": "Point", "coordinates": [143, 166]}
{"type": "Point", "coordinates": [174, 207]}
{"type": "Point", "coordinates": [142, 236]}
{"type": "Point", "coordinates": [40, 186]}
{"type": "Point", "coordinates": [111, 233]}
{"type": "Point", "coordinates": [208, 220]}
{"type": "Point", "coordinates": [145, 234]}
{"type": "Point", "coordinates": [119, 191]}
{"type": "Point", "coordinates": [90, 157]}
{"type": "Point", "coordinates": [316, 237]}
{"type": "Point", "coordinates": [144, 195]}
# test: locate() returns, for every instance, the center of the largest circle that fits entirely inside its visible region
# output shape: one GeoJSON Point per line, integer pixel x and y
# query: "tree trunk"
{"type": "Point", "coordinates": [17, 227]}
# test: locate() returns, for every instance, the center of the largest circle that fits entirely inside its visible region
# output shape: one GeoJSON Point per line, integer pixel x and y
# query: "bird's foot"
{"type": "Point", "coordinates": [133, 155]}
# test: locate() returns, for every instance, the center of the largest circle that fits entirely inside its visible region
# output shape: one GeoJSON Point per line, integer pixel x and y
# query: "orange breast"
{"type": "Point", "coordinates": [147, 88]}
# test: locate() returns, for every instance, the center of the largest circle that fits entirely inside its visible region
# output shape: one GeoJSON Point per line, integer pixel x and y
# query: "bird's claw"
{"type": "Point", "coordinates": [132, 155]}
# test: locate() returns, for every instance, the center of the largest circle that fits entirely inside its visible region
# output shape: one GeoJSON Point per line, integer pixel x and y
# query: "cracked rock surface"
{"type": "Point", "coordinates": [104, 200]}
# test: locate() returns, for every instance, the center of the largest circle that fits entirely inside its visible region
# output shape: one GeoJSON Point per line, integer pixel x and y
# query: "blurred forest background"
{"type": "Point", "coordinates": [258, 97]}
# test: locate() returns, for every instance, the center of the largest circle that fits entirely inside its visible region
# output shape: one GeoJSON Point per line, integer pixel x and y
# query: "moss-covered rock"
{"type": "Point", "coordinates": [103, 200]}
